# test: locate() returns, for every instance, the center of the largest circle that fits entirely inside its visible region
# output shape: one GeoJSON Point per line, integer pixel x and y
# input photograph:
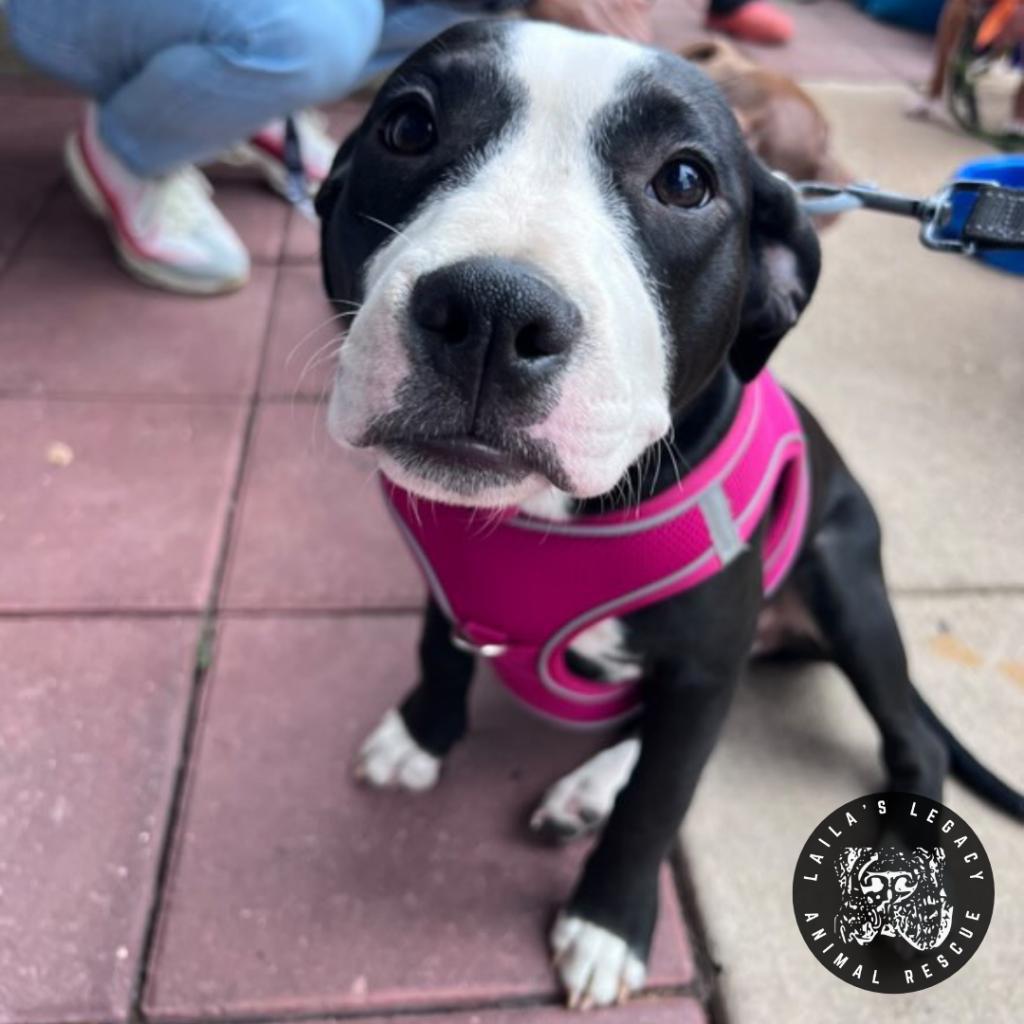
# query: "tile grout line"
{"type": "Point", "coordinates": [440, 1009]}
{"type": "Point", "coordinates": [707, 989]}
{"type": "Point", "coordinates": [983, 591]}
{"type": "Point", "coordinates": [214, 399]}
{"type": "Point", "coordinates": [15, 250]}
{"type": "Point", "coordinates": [989, 590]}
{"type": "Point", "coordinates": [263, 612]}
{"type": "Point", "coordinates": [203, 660]}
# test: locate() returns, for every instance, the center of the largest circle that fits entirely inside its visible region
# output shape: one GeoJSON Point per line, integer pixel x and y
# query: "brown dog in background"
{"type": "Point", "coordinates": [781, 123]}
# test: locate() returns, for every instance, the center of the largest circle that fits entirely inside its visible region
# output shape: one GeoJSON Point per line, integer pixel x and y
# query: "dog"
{"type": "Point", "coordinates": [567, 273]}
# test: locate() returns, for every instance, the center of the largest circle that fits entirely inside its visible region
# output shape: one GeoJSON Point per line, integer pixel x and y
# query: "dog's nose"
{"type": "Point", "coordinates": [490, 319]}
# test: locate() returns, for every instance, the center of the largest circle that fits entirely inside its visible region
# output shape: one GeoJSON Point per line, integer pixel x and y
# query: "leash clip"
{"type": "Point", "coordinates": [484, 650]}
{"type": "Point", "coordinates": [937, 219]}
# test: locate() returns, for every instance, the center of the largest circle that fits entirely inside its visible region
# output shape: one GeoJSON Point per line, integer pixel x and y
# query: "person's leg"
{"type": "Point", "coordinates": [176, 81]}
{"type": "Point", "coordinates": [82, 44]}
{"type": "Point", "coordinates": [257, 61]}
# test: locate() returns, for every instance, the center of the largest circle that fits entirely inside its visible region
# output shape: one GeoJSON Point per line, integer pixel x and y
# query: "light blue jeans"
{"type": "Point", "coordinates": [177, 81]}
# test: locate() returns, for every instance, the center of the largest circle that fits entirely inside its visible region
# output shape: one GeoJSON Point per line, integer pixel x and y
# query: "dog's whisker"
{"type": "Point", "coordinates": [397, 232]}
{"type": "Point", "coordinates": [332, 343]}
{"type": "Point", "coordinates": [316, 330]}
{"type": "Point", "coordinates": [319, 420]}
{"type": "Point", "coordinates": [414, 507]}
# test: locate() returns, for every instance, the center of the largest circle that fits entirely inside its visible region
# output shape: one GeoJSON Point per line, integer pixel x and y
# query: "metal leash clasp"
{"type": "Point", "coordinates": [484, 650]}
{"type": "Point", "coordinates": [938, 219]}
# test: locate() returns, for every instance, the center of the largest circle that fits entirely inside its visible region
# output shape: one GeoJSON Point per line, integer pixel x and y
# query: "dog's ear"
{"type": "Point", "coordinates": [783, 270]}
{"type": "Point", "coordinates": [337, 282]}
{"type": "Point", "coordinates": [329, 191]}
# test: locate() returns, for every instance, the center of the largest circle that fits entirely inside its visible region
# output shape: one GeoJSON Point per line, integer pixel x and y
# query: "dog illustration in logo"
{"type": "Point", "coordinates": [894, 893]}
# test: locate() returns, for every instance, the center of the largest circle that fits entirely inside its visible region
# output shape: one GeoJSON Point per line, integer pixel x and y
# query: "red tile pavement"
{"type": "Point", "coordinates": [134, 521]}
{"type": "Point", "coordinates": [312, 532]}
{"type": "Point", "coordinates": [24, 190]}
{"type": "Point", "coordinates": [304, 334]}
{"type": "Point", "coordinates": [302, 240]}
{"type": "Point", "coordinates": [295, 890]}
{"type": "Point", "coordinates": [30, 145]}
{"type": "Point", "coordinates": [90, 729]}
{"type": "Point", "coordinates": [648, 1010]}
{"type": "Point", "coordinates": [139, 341]}
{"type": "Point", "coordinates": [65, 229]}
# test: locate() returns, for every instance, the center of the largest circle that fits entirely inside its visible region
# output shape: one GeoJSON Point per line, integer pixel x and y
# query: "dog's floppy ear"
{"type": "Point", "coordinates": [328, 192]}
{"type": "Point", "coordinates": [783, 270]}
{"type": "Point", "coordinates": [337, 282]}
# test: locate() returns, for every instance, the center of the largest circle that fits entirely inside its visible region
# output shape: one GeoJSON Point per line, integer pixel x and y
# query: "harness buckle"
{"type": "Point", "coordinates": [484, 650]}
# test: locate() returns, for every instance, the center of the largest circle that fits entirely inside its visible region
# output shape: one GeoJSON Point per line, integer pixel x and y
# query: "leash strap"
{"type": "Point", "coordinates": [296, 183]}
{"type": "Point", "coordinates": [997, 218]}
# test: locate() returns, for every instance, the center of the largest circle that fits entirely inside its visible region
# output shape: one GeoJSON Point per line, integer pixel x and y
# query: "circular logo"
{"type": "Point", "coordinates": [893, 892]}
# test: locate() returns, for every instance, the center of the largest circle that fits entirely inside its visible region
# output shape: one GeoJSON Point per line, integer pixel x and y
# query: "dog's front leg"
{"type": "Point", "coordinates": [698, 645]}
{"type": "Point", "coordinates": [406, 748]}
{"type": "Point", "coordinates": [601, 939]}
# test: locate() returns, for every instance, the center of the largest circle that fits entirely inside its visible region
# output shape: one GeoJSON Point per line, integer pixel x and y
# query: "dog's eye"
{"type": "Point", "coordinates": [409, 129]}
{"type": "Point", "coordinates": [682, 183]}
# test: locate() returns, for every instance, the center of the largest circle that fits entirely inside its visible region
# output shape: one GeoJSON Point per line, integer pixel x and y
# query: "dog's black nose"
{"type": "Point", "coordinates": [489, 319]}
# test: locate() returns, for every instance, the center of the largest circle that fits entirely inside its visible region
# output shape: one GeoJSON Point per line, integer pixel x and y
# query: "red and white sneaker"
{"type": "Point", "coordinates": [167, 231]}
{"type": "Point", "coordinates": [265, 152]}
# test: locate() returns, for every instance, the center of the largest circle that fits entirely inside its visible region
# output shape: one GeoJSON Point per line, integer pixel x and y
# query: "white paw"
{"type": "Point", "coordinates": [595, 966]}
{"type": "Point", "coordinates": [390, 757]}
{"type": "Point", "coordinates": [581, 801]}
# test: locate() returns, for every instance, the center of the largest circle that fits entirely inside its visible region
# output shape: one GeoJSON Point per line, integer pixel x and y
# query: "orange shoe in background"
{"type": "Point", "coordinates": [754, 22]}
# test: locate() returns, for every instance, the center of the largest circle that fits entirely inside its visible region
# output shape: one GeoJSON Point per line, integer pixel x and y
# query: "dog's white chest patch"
{"type": "Point", "coordinates": [604, 646]}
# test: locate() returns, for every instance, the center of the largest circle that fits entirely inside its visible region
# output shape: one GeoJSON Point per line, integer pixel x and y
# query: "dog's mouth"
{"type": "Point", "coordinates": [462, 453]}
{"type": "Point", "coordinates": [464, 463]}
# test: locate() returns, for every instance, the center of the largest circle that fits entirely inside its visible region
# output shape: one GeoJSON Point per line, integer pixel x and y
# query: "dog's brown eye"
{"type": "Point", "coordinates": [409, 129]}
{"type": "Point", "coordinates": [682, 183]}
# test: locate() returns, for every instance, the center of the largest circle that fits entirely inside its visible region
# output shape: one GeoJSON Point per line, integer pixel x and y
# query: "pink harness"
{"type": "Point", "coordinates": [519, 591]}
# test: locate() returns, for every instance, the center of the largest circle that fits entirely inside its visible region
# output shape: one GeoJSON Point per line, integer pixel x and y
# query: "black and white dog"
{"type": "Point", "coordinates": [563, 254]}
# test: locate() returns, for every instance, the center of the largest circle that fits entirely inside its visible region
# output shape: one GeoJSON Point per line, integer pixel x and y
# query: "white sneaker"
{"type": "Point", "coordinates": [265, 151]}
{"type": "Point", "coordinates": [166, 231]}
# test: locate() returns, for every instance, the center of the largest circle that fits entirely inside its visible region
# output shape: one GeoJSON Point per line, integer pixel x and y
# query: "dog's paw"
{"type": "Point", "coordinates": [595, 966]}
{"type": "Point", "coordinates": [580, 802]}
{"type": "Point", "coordinates": [391, 758]}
